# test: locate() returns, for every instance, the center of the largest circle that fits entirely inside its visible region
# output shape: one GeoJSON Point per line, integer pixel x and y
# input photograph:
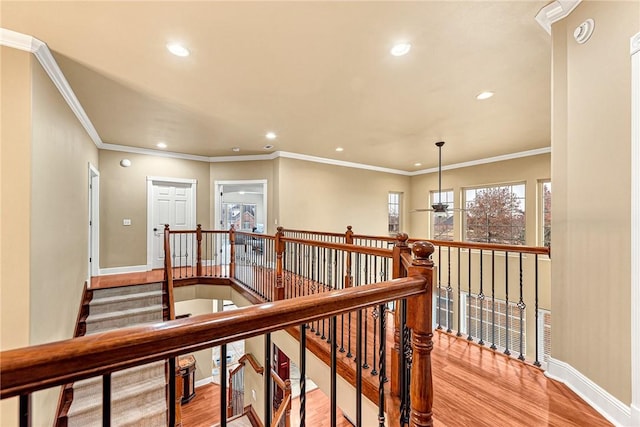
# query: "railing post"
{"type": "Point", "coordinates": [199, 253]}
{"type": "Point", "coordinates": [419, 319]}
{"type": "Point", "coordinates": [232, 252]}
{"type": "Point", "coordinates": [280, 247]}
{"type": "Point", "coordinates": [398, 272]}
{"type": "Point", "coordinates": [168, 273]}
{"type": "Point", "coordinates": [348, 239]}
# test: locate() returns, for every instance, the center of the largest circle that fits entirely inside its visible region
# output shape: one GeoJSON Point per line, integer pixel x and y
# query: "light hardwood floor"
{"type": "Point", "coordinates": [473, 386]}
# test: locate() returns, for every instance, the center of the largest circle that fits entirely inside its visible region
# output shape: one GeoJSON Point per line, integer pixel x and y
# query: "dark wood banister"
{"type": "Point", "coordinates": [248, 357]}
{"type": "Point", "coordinates": [34, 368]}
{"type": "Point", "coordinates": [343, 247]}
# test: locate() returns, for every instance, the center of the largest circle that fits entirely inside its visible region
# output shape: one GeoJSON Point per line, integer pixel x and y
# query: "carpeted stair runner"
{"type": "Point", "coordinates": [138, 394]}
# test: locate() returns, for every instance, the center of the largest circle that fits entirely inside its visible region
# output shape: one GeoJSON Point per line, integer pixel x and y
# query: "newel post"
{"type": "Point", "coordinates": [419, 319]}
{"type": "Point", "coordinates": [232, 252]}
{"type": "Point", "coordinates": [199, 253]}
{"type": "Point", "coordinates": [398, 271]}
{"type": "Point", "coordinates": [279, 290]}
{"type": "Point", "coordinates": [348, 239]}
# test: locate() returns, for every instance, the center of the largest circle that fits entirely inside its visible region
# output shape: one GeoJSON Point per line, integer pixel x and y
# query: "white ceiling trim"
{"type": "Point", "coordinates": [534, 152]}
{"type": "Point", "coordinates": [41, 51]}
{"type": "Point", "coordinates": [157, 153]}
{"type": "Point", "coordinates": [553, 12]}
{"type": "Point", "coordinates": [28, 43]}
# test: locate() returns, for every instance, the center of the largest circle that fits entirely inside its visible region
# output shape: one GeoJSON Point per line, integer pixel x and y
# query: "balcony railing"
{"type": "Point", "coordinates": [27, 370]}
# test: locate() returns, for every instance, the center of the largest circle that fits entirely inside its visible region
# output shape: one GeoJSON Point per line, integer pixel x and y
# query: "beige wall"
{"type": "Point", "coordinates": [591, 133]}
{"type": "Point", "coordinates": [204, 358]}
{"type": "Point", "coordinates": [49, 153]}
{"type": "Point", "coordinates": [15, 203]}
{"type": "Point", "coordinates": [123, 194]}
{"type": "Point", "coordinates": [315, 196]}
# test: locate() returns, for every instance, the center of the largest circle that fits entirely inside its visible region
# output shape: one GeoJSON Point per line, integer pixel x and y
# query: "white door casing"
{"type": "Point", "coordinates": [169, 201]}
{"type": "Point", "coordinates": [94, 224]}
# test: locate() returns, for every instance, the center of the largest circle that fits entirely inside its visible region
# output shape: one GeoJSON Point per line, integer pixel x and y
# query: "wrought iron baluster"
{"type": "Point", "coordinates": [106, 400]}
{"type": "Point", "coordinates": [374, 315]}
{"type": "Point", "coordinates": [439, 301]}
{"type": "Point", "coordinates": [358, 358]}
{"type": "Point", "coordinates": [469, 334]}
{"type": "Point", "coordinates": [481, 301]}
{"type": "Point", "coordinates": [24, 410]}
{"type": "Point", "coordinates": [382, 359]}
{"type": "Point", "coordinates": [458, 303]}
{"type": "Point", "coordinates": [521, 306]}
{"type": "Point", "coordinates": [449, 290]}
{"type": "Point", "coordinates": [537, 361]}
{"type": "Point", "coordinates": [303, 374]}
{"type": "Point", "coordinates": [493, 300]}
{"type": "Point", "coordinates": [334, 372]}
{"type": "Point", "coordinates": [506, 303]}
{"type": "Point", "coordinates": [223, 385]}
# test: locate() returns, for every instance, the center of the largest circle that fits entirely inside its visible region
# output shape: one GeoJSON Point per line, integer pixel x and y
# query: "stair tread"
{"type": "Point", "coordinates": [91, 401]}
{"type": "Point", "coordinates": [116, 375]}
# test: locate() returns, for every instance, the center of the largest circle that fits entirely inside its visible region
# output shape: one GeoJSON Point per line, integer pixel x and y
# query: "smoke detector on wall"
{"type": "Point", "coordinates": [584, 31]}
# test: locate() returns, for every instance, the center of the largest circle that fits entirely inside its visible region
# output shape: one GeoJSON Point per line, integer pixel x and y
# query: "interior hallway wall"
{"type": "Point", "coordinates": [123, 194]}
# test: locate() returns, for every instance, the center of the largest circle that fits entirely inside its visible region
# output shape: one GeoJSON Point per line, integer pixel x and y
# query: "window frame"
{"type": "Point", "coordinates": [398, 204]}
{"type": "Point", "coordinates": [434, 220]}
{"type": "Point", "coordinates": [510, 185]}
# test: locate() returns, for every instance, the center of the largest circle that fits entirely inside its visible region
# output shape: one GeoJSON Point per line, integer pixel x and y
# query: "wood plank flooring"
{"type": "Point", "coordinates": [473, 386]}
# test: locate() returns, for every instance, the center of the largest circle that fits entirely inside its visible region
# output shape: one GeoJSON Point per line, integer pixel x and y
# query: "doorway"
{"type": "Point", "coordinates": [242, 204]}
{"type": "Point", "coordinates": [169, 201]}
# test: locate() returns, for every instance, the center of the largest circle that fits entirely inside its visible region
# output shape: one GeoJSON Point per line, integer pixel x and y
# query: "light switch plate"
{"type": "Point", "coordinates": [126, 221]}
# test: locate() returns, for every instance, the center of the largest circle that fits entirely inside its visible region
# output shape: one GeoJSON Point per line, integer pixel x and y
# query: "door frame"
{"type": "Point", "coordinates": [218, 200]}
{"type": "Point", "coordinates": [93, 258]}
{"type": "Point", "coordinates": [166, 180]}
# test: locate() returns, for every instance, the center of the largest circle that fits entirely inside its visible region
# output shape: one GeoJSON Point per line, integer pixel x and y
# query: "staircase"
{"type": "Point", "coordinates": [138, 394]}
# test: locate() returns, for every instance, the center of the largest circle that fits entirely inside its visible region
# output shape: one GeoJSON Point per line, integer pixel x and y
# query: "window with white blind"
{"type": "Point", "coordinates": [442, 223]}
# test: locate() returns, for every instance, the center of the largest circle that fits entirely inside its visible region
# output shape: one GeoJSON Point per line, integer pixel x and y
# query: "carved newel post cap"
{"type": "Point", "coordinates": [422, 252]}
{"type": "Point", "coordinates": [402, 239]}
{"type": "Point", "coordinates": [166, 226]}
{"type": "Point", "coordinates": [280, 229]}
{"type": "Point", "coordinates": [349, 228]}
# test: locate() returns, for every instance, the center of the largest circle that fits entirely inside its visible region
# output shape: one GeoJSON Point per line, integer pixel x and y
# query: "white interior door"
{"type": "Point", "coordinates": [172, 203]}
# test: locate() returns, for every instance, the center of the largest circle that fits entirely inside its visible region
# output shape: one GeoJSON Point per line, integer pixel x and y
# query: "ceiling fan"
{"type": "Point", "coordinates": [438, 208]}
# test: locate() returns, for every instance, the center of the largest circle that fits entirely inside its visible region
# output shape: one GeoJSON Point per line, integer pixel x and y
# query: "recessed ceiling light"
{"type": "Point", "coordinates": [271, 135]}
{"type": "Point", "coordinates": [235, 149]}
{"type": "Point", "coordinates": [339, 149]}
{"type": "Point", "coordinates": [484, 95]}
{"type": "Point", "coordinates": [177, 49]}
{"type": "Point", "coordinates": [268, 147]}
{"type": "Point", "coordinates": [417, 164]}
{"type": "Point", "coordinates": [161, 145]}
{"type": "Point", "coordinates": [400, 49]}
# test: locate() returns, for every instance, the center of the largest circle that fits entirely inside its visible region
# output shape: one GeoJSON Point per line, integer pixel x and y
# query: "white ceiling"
{"type": "Point", "coordinates": [319, 74]}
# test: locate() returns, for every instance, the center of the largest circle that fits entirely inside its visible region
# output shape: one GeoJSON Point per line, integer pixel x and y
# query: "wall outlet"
{"type": "Point", "coordinates": [126, 221]}
{"type": "Point", "coordinates": [253, 394]}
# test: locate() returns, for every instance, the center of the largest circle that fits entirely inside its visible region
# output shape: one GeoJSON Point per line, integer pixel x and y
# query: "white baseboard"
{"type": "Point", "coordinates": [120, 270]}
{"type": "Point", "coordinates": [203, 381]}
{"type": "Point", "coordinates": [598, 398]}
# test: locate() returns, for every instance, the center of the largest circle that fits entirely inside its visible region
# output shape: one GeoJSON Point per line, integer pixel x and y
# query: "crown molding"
{"type": "Point", "coordinates": [333, 162]}
{"type": "Point", "coordinates": [528, 153]}
{"type": "Point", "coordinates": [41, 51]}
{"type": "Point", "coordinates": [553, 12]}
{"type": "Point", "coordinates": [150, 152]}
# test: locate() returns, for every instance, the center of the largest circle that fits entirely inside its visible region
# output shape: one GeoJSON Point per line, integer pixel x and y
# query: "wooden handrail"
{"type": "Point", "coordinates": [283, 410]}
{"type": "Point", "coordinates": [343, 247]}
{"type": "Point", "coordinates": [540, 250]}
{"type": "Point", "coordinates": [314, 233]}
{"type": "Point", "coordinates": [38, 367]}
{"type": "Point", "coordinates": [252, 361]}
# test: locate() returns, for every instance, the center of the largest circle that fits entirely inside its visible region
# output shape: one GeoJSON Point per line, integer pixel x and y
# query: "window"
{"type": "Point", "coordinates": [546, 213]}
{"type": "Point", "coordinates": [495, 214]}
{"type": "Point", "coordinates": [442, 224]}
{"type": "Point", "coordinates": [241, 215]}
{"type": "Point", "coordinates": [443, 308]}
{"type": "Point", "coordinates": [395, 199]}
{"type": "Point", "coordinates": [500, 325]}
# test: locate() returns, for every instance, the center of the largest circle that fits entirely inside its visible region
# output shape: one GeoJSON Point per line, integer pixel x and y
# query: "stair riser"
{"type": "Point", "coordinates": [121, 401]}
{"type": "Point", "coordinates": [121, 379]}
{"type": "Point", "coordinates": [122, 322]}
{"type": "Point", "coordinates": [126, 290]}
{"type": "Point", "coordinates": [129, 304]}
